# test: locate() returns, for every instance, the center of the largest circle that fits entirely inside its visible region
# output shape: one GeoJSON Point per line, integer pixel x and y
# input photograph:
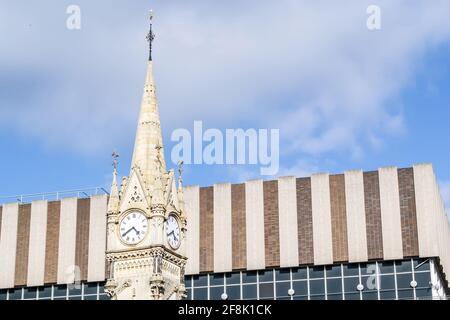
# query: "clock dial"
{"type": "Point", "coordinates": [173, 232]}
{"type": "Point", "coordinates": [133, 227]}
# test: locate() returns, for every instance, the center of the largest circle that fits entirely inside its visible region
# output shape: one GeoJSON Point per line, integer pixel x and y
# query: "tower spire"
{"type": "Point", "coordinates": [114, 195]}
{"type": "Point", "coordinates": [150, 36]}
{"type": "Point", "coordinates": [148, 155]}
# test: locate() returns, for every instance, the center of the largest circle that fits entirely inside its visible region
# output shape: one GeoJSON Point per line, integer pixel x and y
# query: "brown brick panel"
{"type": "Point", "coordinates": [408, 212]}
{"type": "Point", "coordinates": [82, 237]}
{"type": "Point", "coordinates": [271, 224]}
{"type": "Point", "coordinates": [338, 218]}
{"type": "Point", "coordinates": [23, 241]}
{"type": "Point", "coordinates": [373, 215]}
{"type": "Point", "coordinates": [52, 242]}
{"type": "Point", "coordinates": [305, 226]}
{"type": "Point", "coordinates": [206, 229]}
{"type": "Point", "coordinates": [238, 226]}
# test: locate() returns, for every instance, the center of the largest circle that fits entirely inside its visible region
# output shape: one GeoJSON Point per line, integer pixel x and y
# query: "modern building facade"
{"type": "Point", "coordinates": [357, 235]}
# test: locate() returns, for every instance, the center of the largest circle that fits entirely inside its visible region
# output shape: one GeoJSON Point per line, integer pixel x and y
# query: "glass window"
{"type": "Point", "coordinates": [188, 281]}
{"type": "Point", "coordinates": [370, 295]}
{"type": "Point", "coordinates": [90, 297]}
{"type": "Point", "coordinates": [45, 292]}
{"type": "Point", "coordinates": [90, 288]}
{"type": "Point", "coordinates": [29, 293]}
{"type": "Point", "coordinates": [215, 293]}
{"type": "Point", "coordinates": [201, 280]}
{"type": "Point", "coordinates": [316, 272]}
{"type": "Point", "coordinates": [387, 282]}
{"type": "Point", "coordinates": [282, 289]}
{"type": "Point", "coordinates": [60, 291]}
{"type": "Point", "coordinates": [421, 264]}
{"type": "Point", "coordinates": [283, 274]}
{"type": "Point", "coordinates": [368, 269]}
{"type": "Point", "coordinates": [103, 297]}
{"type": "Point", "coordinates": [201, 294]}
{"type": "Point", "coordinates": [334, 296]}
{"type": "Point", "coordinates": [300, 297]}
{"type": "Point", "coordinates": [249, 277]}
{"type": "Point", "coordinates": [403, 266]}
{"type": "Point", "coordinates": [334, 285]}
{"type": "Point", "coordinates": [189, 294]}
{"type": "Point", "coordinates": [249, 291]}
{"type": "Point", "coordinates": [3, 294]}
{"type": "Point", "coordinates": [319, 297]}
{"type": "Point", "coordinates": [407, 294]}
{"type": "Point", "coordinates": [233, 278]}
{"type": "Point", "coordinates": [352, 296]}
{"type": "Point", "coordinates": [386, 267]}
{"type": "Point", "coordinates": [350, 284]}
{"type": "Point", "coordinates": [317, 287]}
{"type": "Point", "coordinates": [299, 273]}
{"type": "Point", "coordinates": [424, 293]}
{"type": "Point", "coordinates": [387, 295]}
{"type": "Point", "coordinates": [266, 290]}
{"type": "Point", "coordinates": [369, 282]}
{"type": "Point", "coordinates": [351, 269]}
{"type": "Point", "coordinates": [75, 290]}
{"type": "Point", "coordinates": [404, 281]}
{"type": "Point", "coordinates": [216, 279]}
{"type": "Point", "coordinates": [423, 279]}
{"type": "Point", "coordinates": [74, 297]}
{"type": "Point", "coordinates": [333, 271]}
{"type": "Point", "coordinates": [234, 292]}
{"type": "Point", "coordinates": [15, 294]}
{"type": "Point", "coordinates": [265, 276]}
{"type": "Point", "coordinates": [64, 298]}
{"type": "Point", "coordinates": [300, 288]}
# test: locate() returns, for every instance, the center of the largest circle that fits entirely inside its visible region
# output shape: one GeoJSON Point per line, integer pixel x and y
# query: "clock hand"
{"type": "Point", "coordinates": [123, 235]}
{"type": "Point", "coordinates": [137, 232]}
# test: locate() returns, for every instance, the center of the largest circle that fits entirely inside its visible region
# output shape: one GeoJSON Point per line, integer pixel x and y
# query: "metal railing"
{"type": "Point", "coordinates": [54, 196]}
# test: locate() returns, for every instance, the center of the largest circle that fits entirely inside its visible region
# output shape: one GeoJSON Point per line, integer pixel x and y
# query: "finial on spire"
{"type": "Point", "coordinates": [150, 36]}
{"type": "Point", "coordinates": [115, 155]}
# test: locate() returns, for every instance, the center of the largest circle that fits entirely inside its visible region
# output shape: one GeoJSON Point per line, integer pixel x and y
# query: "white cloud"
{"type": "Point", "coordinates": [310, 68]}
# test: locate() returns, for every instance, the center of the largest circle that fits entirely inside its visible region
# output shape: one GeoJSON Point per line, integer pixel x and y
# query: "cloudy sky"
{"type": "Point", "coordinates": [343, 96]}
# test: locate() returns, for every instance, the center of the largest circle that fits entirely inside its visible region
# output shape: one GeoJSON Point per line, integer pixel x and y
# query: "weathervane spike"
{"type": "Point", "coordinates": [150, 35]}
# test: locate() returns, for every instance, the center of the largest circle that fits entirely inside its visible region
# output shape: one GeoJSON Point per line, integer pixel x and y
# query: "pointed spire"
{"type": "Point", "coordinates": [148, 153]}
{"type": "Point", "coordinates": [113, 203]}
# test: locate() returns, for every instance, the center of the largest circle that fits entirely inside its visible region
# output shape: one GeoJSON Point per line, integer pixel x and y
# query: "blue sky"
{"type": "Point", "coordinates": [342, 96]}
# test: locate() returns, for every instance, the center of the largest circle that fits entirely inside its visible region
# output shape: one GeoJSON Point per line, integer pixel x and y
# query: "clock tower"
{"type": "Point", "coordinates": [146, 221]}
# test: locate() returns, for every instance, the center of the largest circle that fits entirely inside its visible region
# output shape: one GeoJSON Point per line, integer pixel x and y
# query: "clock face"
{"type": "Point", "coordinates": [173, 232]}
{"type": "Point", "coordinates": [133, 227]}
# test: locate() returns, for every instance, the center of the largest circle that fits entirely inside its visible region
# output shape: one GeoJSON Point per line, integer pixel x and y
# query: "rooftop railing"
{"type": "Point", "coordinates": [54, 196]}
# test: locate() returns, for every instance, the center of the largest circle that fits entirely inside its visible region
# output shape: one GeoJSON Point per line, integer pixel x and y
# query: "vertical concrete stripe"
{"type": "Point", "coordinates": [36, 251]}
{"type": "Point", "coordinates": [67, 270]}
{"type": "Point", "coordinates": [254, 216]}
{"type": "Point", "coordinates": [287, 220]}
{"type": "Point", "coordinates": [192, 204]}
{"type": "Point", "coordinates": [338, 218]}
{"type": "Point", "coordinates": [271, 226]}
{"type": "Point", "coordinates": [426, 207]}
{"type": "Point", "coordinates": [97, 238]}
{"type": "Point", "coordinates": [8, 244]}
{"type": "Point", "coordinates": [390, 214]}
{"type": "Point", "coordinates": [82, 238]}
{"type": "Point", "coordinates": [304, 224]}
{"type": "Point", "coordinates": [408, 212]}
{"type": "Point", "coordinates": [356, 216]}
{"type": "Point", "coordinates": [238, 226]}
{"type": "Point", "coordinates": [223, 261]}
{"type": "Point", "coordinates": [321, 217]}
{"type": "Point", "coordinates": [206, 229]}
{"type": "Point", "coordinates": [23, 239]}
{"type": "Point", "coordinates": [52, 242]}
{"type": "Point", "coordinates": [373, 215]}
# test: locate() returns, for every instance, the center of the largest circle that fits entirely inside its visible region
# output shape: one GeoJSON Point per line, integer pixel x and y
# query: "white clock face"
{"type": "Point", "coordinates": [173, 232]}
{"type": "Point", "coordinates": [133, 227]}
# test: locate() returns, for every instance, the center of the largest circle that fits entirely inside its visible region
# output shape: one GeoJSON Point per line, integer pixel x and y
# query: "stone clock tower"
{"type": "Point", "coordinates": [146, 232]}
